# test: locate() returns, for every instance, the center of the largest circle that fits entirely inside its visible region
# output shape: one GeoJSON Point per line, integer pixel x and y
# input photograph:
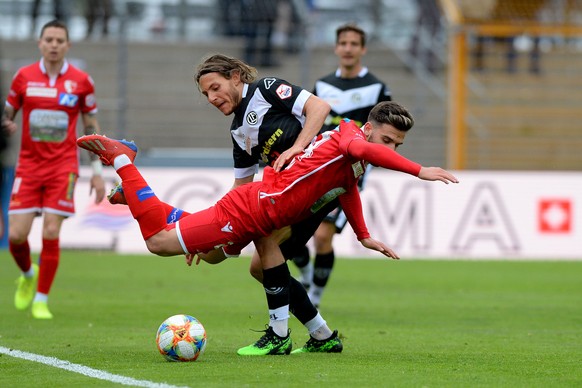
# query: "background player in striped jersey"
{"type": "Point", "coordinates": [352, 91]}
{"type": "Point", "coordinates": [51, 93]}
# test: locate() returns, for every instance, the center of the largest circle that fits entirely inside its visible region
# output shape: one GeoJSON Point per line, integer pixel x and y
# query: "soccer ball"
{"type": "Point", "coordinates": [181, 338]}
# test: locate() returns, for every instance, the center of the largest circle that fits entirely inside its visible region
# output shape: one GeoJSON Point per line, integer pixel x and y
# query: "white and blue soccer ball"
{"type": "Point", "coordinates": [181, 338]}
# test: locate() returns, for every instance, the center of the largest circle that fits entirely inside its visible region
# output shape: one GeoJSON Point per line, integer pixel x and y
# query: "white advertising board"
{"type": "Point", "coordinates": [489, 215]}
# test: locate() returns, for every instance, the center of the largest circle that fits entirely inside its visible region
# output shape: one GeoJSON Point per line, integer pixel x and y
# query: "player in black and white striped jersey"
{"type": "Point", "coordinates": [352, 91]}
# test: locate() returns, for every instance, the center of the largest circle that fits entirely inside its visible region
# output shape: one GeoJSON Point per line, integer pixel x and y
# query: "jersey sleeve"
{"type": "Point", "coordinates": [354, 144]}
{"type": "Point", "coordinates": [351, 204]}
{"type": "Point", "coordinates": [385, 94]}
{"type": "Point", "coordinates": [15, 94]}
{"type": "Point", "coordinates": [381, 156]}
{"type": "Point", "coordinates": [284, 95]}
{"type": "Point", "coordinates": [88, 100]}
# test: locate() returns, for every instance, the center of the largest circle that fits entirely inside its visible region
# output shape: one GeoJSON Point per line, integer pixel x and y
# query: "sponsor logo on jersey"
{"type": "Point", "coordinates": [269, 144]}
{"type": "Point", "coordinates": [90, 100]}
{"type": "Point", "coordinates": [252, 118]}
{"type": "Point", "coordinates": [70, 86]}
{"type": "Point", "coordinates": [356, 98]}
{"type": "Point", "coordinates": [67, 99]}
{"type": "Point", "coordinates": [269, 82]}
{"type": "Point", "coordinates": [327, 198]}
{"type": "Point", "coordinates": [227, 228]}
{"type": "Point", "coordinates": [284, 91]}
{"type": "Point", "coordinates": [358, 169]}
{"type": "Point", "coordinates": [41, 92]}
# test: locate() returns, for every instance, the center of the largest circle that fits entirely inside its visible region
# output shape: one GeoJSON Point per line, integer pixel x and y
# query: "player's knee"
{"type": "Point", "coordinates": [157, 246]}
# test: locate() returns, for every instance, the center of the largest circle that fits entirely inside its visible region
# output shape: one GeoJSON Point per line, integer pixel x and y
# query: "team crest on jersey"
{"type": "Point", "coordinates": [284, 91]}
{"type": "Point", "coordinates": [252, 118]}
{"type": "Point", "coordinates": [67, 99]}
{"type": "Point", "coordinates": [70, 86]}
{"type": "Point", "coordinates": [269, 82]}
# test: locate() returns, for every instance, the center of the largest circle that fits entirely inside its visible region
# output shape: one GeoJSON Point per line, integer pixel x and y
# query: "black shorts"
{"type": "Point", "coordinates": [304, 230]}
{"type": "Point", "coordinates": [338, 218]}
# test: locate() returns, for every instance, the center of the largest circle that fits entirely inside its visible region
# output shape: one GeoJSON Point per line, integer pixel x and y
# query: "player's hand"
{"type": "Point", "coordinates": [437, 174]}
{"type": "Point", "coordinates": [379, 246]}
{"type": "Point", "coordinates": [286, 157]}
{"type": "Point", "coordinates": [9, 126]}
{"type": "Point", "coordinates": [190, 258]}
{"type": "Point", "coordinates": [97, 184]}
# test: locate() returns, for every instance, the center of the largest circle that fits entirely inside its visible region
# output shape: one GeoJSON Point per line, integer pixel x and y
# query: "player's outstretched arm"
{"type": "Point", "coordinates": [379, 246]}
{"type": "Point", "coordinates": [437, 174]}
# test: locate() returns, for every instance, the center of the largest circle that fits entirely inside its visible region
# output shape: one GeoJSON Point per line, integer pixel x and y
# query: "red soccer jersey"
{"type": "Point", "coordinates": [50, 110]}
{"type": "Point", "coordinates": [329, 167]}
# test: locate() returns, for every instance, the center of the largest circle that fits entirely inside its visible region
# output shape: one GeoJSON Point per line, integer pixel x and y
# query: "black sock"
{"type": "Point", "coordinates": [322, 268]}
{"type": "Point", "coordinates": [302, 257]}
{"type": "Point", "coordinates": [300, 305]}
{"type": "Point", "coordinates": [276, 283]}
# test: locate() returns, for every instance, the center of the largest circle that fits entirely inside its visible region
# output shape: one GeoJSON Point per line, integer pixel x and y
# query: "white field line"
{"type": "Point", "coordinates": [84, 370]}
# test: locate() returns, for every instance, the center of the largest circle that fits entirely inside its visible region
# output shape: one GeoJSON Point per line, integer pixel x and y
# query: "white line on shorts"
{"type": "Point", "coordinates": [84, 370]}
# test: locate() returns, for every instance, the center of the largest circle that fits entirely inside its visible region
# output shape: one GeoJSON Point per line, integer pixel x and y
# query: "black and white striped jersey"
{"type": "Point", "coordinates": [266, 123]}
{"type": "Point", "coordinates": [351, 98]}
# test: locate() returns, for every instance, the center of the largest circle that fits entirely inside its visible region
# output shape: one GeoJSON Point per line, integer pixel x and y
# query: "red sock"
{"type": "Point", "coordinates": [49, 262]}
{"type": "Point", "coordinates": [173, 214]}
{"type": "Point", "coordinates": [21, 255]}
{"type": "Point", "coordinates": [145, 207]}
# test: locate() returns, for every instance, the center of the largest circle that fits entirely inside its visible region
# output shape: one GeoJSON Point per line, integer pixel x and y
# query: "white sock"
{"type": "Point", "coordinates": [315, 293]}
{"type": "Point", "coordinates": [29, 273]}
{"type": "Point", "coordinates": [307, 273]}
{"type": "Point", "coordinates": [40, 297]}
{"type": "Point", "coordinates": [318, 328]}
{"type": "Point", "coordinates": [120, 161]}
{"type": "Point", "coordinates": [279, 320]}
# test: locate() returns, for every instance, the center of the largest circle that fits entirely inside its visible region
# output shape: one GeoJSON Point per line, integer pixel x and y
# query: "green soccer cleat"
{"type": "Point", "coordinates": [40, 310]}
{"type": "Point", "coordinates": [331, 345]}
{"type": "Point", "coordinates": [26, 289]}
{"type": "Point", "coordinates": [269, 344]}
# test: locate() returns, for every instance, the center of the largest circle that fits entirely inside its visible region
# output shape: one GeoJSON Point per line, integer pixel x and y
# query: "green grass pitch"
{"type": "Point", "coordinates": [411, 323]}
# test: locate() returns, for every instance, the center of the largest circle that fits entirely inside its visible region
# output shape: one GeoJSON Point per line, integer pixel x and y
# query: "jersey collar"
{"type": "Point", "coordinates": [362, 73]}
{"type": "Point", "coordinates": [245, 90]}
{"type": "Point", "coordinates": [63, 69]}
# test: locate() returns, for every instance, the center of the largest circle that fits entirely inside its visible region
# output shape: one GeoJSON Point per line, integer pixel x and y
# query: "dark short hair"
{"type": "Point", "coordinates": [350, 27]}
{"type": "Point", "coordinates": [390, 112]}
{"type": "Point", "coordinates": [57, 24]}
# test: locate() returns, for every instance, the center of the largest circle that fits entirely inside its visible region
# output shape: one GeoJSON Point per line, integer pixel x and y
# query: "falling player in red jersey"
{"type": "Point", "coordinates": [51, 94]}
{"type": "Point", "coordinates": [328, 168]}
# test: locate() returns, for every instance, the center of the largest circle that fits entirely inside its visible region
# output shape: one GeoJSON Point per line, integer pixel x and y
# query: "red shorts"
{"type": "Point", "coordinates": [231, 224]}
{"type": "Point", "coordinates": [35, 193]}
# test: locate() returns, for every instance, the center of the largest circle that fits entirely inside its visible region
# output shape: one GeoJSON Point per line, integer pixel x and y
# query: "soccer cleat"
{"type": "Point", "coordinates": [116, 197]}
{"type": "Point", "coordinates": [26, 289]}
{"type": "Point", "coordinates": [40, 310]}
{"type": "Point", "coordinates": [269, 344]}
{"type": "Point", "coordinates": [107, 149]}
{"type": "Point", "coordinates": [331, 345]}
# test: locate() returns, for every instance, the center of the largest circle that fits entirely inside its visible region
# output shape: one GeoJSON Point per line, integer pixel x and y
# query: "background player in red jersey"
{"type": "Point", "coordinates": [352, 91]}
{"type": "Point", "coordinates": [51, 93]}
{"type": "Point", "coordinates": [329, 167]}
